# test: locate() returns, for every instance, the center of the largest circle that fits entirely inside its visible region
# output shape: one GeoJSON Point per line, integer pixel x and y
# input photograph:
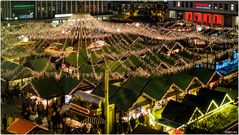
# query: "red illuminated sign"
{"type": "Point", "coordinates": [197, 17]}
{"type": "Point", "coordinates": [188, 16]}
{"type": "Point", "coordinates": [217, 19]}
{"type": "Point", "coordinates": [207, 18]}
{"type": "Point", "coordinates": [202, 5]}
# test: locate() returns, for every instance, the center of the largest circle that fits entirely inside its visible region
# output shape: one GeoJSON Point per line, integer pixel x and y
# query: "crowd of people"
{"type": "Point", "coordinates": [128, 127]}
{"type": "Point", "coordinates": [10, 96]}
{"type": "Point", "coordinates": [34, 110]}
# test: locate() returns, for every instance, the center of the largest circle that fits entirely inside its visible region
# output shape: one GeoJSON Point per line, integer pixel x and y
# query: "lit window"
{"type": "Point", "coordinates": [179, 3]}
{"type": "Point", "coordinates": [215, 6]}
{"type": "Point", "coordinates": [220, 6]}
{"type": "Point", "coordinates": [232, 7]}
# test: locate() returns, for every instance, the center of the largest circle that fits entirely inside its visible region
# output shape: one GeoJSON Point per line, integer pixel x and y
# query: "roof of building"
{"type": "Point", "coordinates": [233, 93]}
{"type": "Point", "coordinates": [180, 79]}
{"type": "Point", "coordinates": [217, 96]}
{"type": "Point", "coordinates": [48, 87]}
{"type": "Point", "coordinates": [178, 112]}
{"type": "Point", "coordinates": [40, 64]}
{"type": "Point", "coordinates": [203, 74]}
{"type": "Point", "coordinates": [156, 88]}
{"type": "Point", "coordinates": [21, 126]}
{"type": "Point", "coordinates": [200, 101]}
{"type": "Point", "coordinates": [13, 71]}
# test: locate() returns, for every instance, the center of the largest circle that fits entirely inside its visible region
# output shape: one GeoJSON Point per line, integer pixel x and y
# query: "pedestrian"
{"type": "Point", "coordinates": [49, 116]}
{"type": "Point", "coordinates": [4, 121]}
{"type": "Point", "coordinates": [132, 123]}
{"type": "Point", "coordinates": [40, 109]}
{"type": "Point", "coordinates": [54, 121]}
{"type": "Point", "coordinates": [141, 118]}
{"type": "Point", "coordinates": [125, 127]}
{"type": "Point", "coordinates": [10, 120]}
{"type": "Point", "coordinates": [84, 129]}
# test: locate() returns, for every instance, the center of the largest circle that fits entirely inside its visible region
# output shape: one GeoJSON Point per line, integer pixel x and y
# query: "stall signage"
{"type": "Point", "coordinates": [202, 5]}
{"type": "Point", "coordinates": [26, 16]}
{"type": "Point", "coordinates": [79, 108]}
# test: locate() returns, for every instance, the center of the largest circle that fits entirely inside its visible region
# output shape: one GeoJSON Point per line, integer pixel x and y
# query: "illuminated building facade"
{"type": "Point", "coordinates": [12, 10]}
{"type": "Point", "coordinates": [222, 13]}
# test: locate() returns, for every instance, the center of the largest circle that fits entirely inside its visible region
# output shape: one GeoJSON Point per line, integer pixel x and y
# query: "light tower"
{"type": "Point", "coordinates": [106, 105]}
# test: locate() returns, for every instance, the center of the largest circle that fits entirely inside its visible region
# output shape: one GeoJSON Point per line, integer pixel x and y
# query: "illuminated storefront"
{"type": "Point", "coordinates": [205, 12]}
{"type": "Point", "coordinates": [13, 10]}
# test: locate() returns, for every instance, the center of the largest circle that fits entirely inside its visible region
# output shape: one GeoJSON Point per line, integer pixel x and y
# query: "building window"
{"type": "Point", "coordinates": [174, 4]}
{"type": "Point", "coordinates": [215, 6]}
{"type": "Point", "coordinates": [179, 3]}
{"type": "Point", "coordinates": [186, 4]}
{"type": "Point", "coordinates": [220, 7]}
{"type": "Point", "coordinates": [232, 7]}
{"type": "Point", "coordinates": [182, 4]}
{"type": "Point", "coordinates": [191, 4]}
{"type": "Point", "coordinates": [172, 14]}
{"type": "Point", "coordinates": [226, 6]}
{"type": "Point", "coordinates": [237, 7]}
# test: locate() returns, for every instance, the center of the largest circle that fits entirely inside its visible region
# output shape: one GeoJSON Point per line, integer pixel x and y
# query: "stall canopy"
{"type": "Point", "coordinates": [12, 71]}
{"type": "Point", "coordinates": [99, 90]}
{"type": "Point", "coordinates": [49, 87]}
{"type": "Point", "coordinates": [22, 126]}
{"type": "Point", "coordinates": [205, 75]}
{"type": "Point", "coordinates": [217, 96]}
{"type": "Point", "coordinates": [127, 95]}
{"type": "Point", "coordinates": [233, 93]}
{"type": "Point", "coordinates": [177, 112]}
{"type": "Point", "coordinates": [200, 101]}
{"type": "Point", "coordinates": [156, 88]}
{"type": "Point", "coordinates": [40, 64]}
{"type": "Point", "coordinates": [180, 79]}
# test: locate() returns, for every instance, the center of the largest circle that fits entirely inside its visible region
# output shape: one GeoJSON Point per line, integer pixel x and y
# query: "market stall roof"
{"type": "Point", "coordinates": [99, 90]}
{"type": "Point", "coordinates": [127, 95]}
{"type": "Point", "coordinates": [233, 93]}
{"type": "Point", "coordinates": [178, 112]}
{"type": "Point", "coordinates": [40, 64]}
{"type": "Point", "coordinates": [200, 101]}
{"type": "Point", "coordinates": [13, 71]}
{"type": "Point", "coordinates": [156, 88]}
{"type": "Point", "coordinates": [203, 74]}
{"type": "Point", "coordinates": [22, 126]}
{"type": "Point", "coordinates": [217, 96]}
{"type": "Point", "coordinates": [180, 79]}
{"type": "Point", "coordinates": [48, 87]}
{"type": "Point", "coordinates": [82, 59]}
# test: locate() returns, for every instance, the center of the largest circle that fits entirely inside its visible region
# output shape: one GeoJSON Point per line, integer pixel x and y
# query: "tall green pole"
{"type": "Point", "coordinates": [106, 106]}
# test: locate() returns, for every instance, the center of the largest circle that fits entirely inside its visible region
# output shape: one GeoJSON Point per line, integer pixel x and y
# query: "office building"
{"type": "Point", "coordinates": [221, 13]}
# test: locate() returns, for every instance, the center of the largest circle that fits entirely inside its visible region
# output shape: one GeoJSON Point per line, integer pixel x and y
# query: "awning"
{"type": "Point", "coordinates": [22, 126]}
{"type": "Point", "coordinates": [94, 120]}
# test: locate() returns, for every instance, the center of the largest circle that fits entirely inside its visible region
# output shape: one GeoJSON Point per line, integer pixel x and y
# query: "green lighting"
{"type": "Point", "coordinates": [22, 6]}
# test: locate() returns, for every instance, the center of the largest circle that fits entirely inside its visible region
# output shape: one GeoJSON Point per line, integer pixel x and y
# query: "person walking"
{"type": "Point", "coordinates": [40, 109]}
{"type": "Point", "coordinates": [141, 118]}
{"type": "Point", "coordinates": [49, 116]}
{"type": "Point", "coordinates": [54, 121]}
{"type": "Point", "coordinates": [132, 123]}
